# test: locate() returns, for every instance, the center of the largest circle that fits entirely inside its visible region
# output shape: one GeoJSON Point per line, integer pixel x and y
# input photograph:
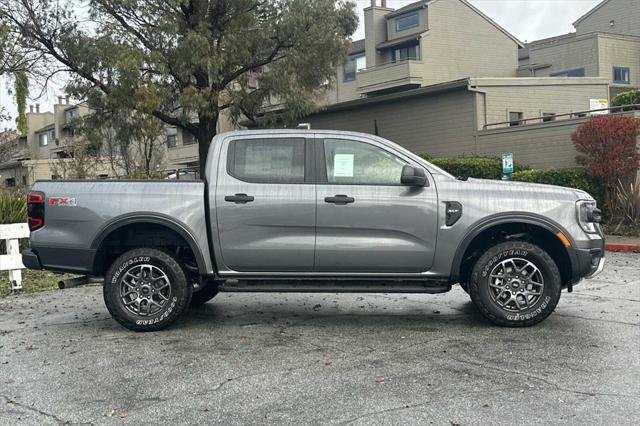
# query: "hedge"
{"type": "Point", "coordinates": [13, 207]}
{"type": "Point", "coordinates": [476, 167]}
{"type": "Point", "coordinates": [573, 178]}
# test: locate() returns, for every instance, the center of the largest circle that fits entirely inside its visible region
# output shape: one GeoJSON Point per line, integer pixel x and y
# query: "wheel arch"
{"type": "Point", "coordinates": [540, 229]}
{"type": "Point", "coordinates": [156, 220]}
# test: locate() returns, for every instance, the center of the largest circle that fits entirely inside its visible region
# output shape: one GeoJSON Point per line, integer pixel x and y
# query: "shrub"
{"type": "Point", "coordinates": [628, 204]}
{"type": "Point", "coordinates": [631, 97]}
{"type": "Point", "coordinates": [13, 207]}
{"type": "Point", "coordinates": [577, 178]}
{"type": "Point", "coordinates": [475, 167]}
{"type": "Point", "coordinates": [607, 148]}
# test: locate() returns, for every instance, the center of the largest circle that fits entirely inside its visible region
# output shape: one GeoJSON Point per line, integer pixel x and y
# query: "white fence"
{"type": "Point", "coordinates": [12, 261]}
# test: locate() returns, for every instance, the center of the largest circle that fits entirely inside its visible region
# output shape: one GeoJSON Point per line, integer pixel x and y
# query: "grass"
{"type": "Point", "coordinates": [32, 281]}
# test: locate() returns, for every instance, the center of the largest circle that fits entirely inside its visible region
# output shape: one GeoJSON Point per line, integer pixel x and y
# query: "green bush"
{"type": "Point", "coordinates": [573, 178]}
{"type": "Point", "coordinates": [474, 167]}
{"type": "Point", "coordinates": [631, 97]}
{"type": "Point", "coordinates": [13, 207]}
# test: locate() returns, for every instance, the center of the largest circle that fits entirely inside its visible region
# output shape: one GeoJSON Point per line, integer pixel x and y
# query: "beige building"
{"type": "Point", "coordinates": [476, 116]}
{"type": "Point", "coordinates": [606, 44]}
{"type": "Point", "coordinates": [412, 47]}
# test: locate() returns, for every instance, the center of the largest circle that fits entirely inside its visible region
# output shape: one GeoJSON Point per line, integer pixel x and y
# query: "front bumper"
{"type": "Point", "coordinates": [589, 259]}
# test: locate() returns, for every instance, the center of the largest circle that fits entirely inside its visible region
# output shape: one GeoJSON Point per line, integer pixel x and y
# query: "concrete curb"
{"type": "Point", "coordinates": [622, 247]}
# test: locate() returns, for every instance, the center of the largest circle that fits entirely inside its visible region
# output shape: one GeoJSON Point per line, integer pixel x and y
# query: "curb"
{"type": "Point", "coordinates": [622, 247]}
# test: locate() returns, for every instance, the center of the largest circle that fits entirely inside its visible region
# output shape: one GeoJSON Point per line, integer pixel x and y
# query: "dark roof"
{"type": "Point", "coordinates": [397, 41]}
{"type": "Point", "coordinates": [422, 91]}
{"type": "Point", "coordinates": [356, 47]}
{"type": "Point", "coordinates": [45, 128]}
{"type": "Point", "coordinates": [408, 8]}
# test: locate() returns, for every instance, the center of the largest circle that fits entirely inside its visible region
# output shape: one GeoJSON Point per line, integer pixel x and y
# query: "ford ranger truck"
{"type": "Point", "coordinates": [316, 211]}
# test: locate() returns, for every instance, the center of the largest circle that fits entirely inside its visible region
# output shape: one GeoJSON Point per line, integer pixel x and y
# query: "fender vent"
{"type": "Point", "coordinates": [453, 212]}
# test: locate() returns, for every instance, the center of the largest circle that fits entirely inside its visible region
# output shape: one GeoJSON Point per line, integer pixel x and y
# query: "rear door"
{"type": "Point", "coordinates": [367, 222]}
{"type": "Point", "coordinates": [265, 204]}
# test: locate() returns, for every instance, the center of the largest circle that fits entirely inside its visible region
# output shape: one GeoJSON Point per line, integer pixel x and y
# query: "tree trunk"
{"type": "Point", "coordinates": [207, 131]}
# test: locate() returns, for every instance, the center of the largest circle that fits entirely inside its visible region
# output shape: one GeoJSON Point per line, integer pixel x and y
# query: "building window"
{"type": "Point", "coordinates": [621, 75]}
{"type": "Point", "coordinates": [407, 21]}
{"type": "Point", "coordinates": [171, 141]}
{"type": "Point", "coordinates": [24, 180]}
{"type": "Point", "coordinates": [10, 182]}
{"type": "Point", "coordinates": [407, 52]}
{"type": "Point", "coordinates": [55, 177]}
{"type": "Point", "coordinates": [353, 65]}
{"type": "Point", "coordinates": [43, 139]}
{"type": "Point", "coordinates": [576, 72]}
{"type": "Point", "coordinates": [268, 160]}
{"type": "Point", "coordinates": [515, 118]}
{"type": "Point", "coordinates": [70, 114]}
{"type": "Point", "coordinates": [548, 116]}
{"type": "Point", "coordinates": [188, 139]}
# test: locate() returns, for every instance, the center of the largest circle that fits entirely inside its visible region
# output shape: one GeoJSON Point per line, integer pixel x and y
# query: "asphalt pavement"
{"type": "Point", "coordinates": [326, 359]}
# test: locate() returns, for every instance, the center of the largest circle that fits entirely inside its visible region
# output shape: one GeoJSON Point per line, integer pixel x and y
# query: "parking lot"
{"type": "Point", "coordinates": [326, 358]}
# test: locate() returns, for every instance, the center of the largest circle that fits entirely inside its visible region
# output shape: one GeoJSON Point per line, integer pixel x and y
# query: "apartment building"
{"type": "Point", "coordinates": [476, 116]}
{"type": "Point", "coordinates": [606, 44]}
{"type": "Point", "coordinates": [413, 47]}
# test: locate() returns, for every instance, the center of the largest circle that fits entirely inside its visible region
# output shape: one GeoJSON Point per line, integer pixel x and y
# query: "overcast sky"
{"type": "Point", "coordinates": [526, 19]}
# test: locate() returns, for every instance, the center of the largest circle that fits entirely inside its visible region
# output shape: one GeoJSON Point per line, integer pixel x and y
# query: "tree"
{"type": "Point", "coordinates": [186, 62]}
{"type": "Point", "coordinates": [16, 63]}
{"type": "Point", "coordinates": [129, 140]}
{"type": "Point", "coordinates": [78, 160]}
{"type": "Point", "coordinates": [608, 148]}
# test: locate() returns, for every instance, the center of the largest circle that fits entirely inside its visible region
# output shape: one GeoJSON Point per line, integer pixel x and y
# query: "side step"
{"type": "Point", "coordinates": [334, 286]}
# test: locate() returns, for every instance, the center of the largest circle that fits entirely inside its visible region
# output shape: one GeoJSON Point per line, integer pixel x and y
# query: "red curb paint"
{"type": "Point", "coordinates": [622, 247]}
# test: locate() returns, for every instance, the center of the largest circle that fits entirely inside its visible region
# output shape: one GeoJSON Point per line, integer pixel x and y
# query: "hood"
{"type": "Point", "coordinates": [529, 189]}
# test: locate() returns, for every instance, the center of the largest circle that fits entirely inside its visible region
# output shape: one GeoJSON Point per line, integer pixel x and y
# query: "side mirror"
{"type": "Point", "coordinates": [413, 176]}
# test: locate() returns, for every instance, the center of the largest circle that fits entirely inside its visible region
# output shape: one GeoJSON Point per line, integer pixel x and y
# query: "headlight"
{"type": "Point", "coordinates": [588, 216]}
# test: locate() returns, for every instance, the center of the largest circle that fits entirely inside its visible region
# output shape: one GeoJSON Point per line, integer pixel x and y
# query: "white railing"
{"type": "Point", "coordinates": [12, 261]}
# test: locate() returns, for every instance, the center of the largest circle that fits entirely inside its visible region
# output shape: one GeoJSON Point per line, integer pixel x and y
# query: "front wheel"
{"type": "Point", "coordinates": [146, 289]}
{"type": "Point", "coordinates": [515, 284]}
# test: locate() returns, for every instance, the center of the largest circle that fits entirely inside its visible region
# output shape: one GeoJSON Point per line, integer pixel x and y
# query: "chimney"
{"type": "Point", "coordinates": [31, 108]}
{"type": "Point", "coordinates": [66, 98]}
{"type": "Point", "coordinates": [375, 31]}
{"type": "Point", "coordinates": [37, 108]}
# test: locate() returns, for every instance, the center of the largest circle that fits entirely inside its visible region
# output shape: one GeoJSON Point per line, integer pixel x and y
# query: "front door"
{"type": "Point", "coordinates": [367, 222]}
{"type": "Point", "coordinates": [265, 204]}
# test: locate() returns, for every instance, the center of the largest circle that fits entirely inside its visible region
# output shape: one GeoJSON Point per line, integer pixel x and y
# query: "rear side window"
{"type": "Point", "coordinates": [269, 160]}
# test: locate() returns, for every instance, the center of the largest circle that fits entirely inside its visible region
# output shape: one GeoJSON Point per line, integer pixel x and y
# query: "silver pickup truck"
{"type": "Point", "coordinates": [316, 211]}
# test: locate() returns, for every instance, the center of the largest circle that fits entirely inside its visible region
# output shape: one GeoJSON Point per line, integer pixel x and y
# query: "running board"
{"type": "Point", "coordinates": [334, 286]}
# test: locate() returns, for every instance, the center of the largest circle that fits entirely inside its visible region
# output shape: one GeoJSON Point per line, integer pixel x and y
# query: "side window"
{"type": "Point", "coordinates": [269, 160]}
{"type": "Point", "coordinates": [359, 163]}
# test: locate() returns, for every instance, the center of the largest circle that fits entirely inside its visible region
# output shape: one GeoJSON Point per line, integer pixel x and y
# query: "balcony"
{"type": "Point", "coordinates": [388, 77]}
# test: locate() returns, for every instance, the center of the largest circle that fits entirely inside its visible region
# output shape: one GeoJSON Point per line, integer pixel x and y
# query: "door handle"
{"type": "Point", "coordinates": [340, 199]}
{"type": "Point", "coordinates": [239, 198]}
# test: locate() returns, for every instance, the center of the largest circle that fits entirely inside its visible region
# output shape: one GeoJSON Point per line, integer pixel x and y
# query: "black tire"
{"type": "Point", "coordinates": [465, 287]}
{"type": "Point", "coordinates": [487, 297]}
{"type": "Point", "coordinates": [164, 305]}
{"type": "Point", "coordinates": [204, 293]}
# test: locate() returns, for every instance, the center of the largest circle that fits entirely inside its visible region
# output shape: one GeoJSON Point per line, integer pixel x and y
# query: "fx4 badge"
{"type": "Point", "coordinates": [62, 201]}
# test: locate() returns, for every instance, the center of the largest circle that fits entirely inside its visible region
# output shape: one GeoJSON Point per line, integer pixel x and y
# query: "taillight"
{"type": "Point", "coordinates": [35, 210]}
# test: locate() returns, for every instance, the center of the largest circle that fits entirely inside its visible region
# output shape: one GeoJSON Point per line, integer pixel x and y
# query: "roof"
{"type": "Point", "coordinates": [422, 91]}
{"type": "Point", "coordinates": [356, 47]}
{"type": "Point", "coordinates": [408, 8]}
{"type": "Point", "coordinates": [401, 40]}
{"type": "Point", "coordinates": [589, 13]}
{"type": "Point", "coordinates": [47, 127]}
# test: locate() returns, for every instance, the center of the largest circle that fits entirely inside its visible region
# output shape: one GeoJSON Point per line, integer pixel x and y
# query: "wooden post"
{"type": "Point", "coordinates": [12, 261]}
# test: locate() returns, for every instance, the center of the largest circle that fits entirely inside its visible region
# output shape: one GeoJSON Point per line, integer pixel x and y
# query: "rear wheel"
{"type": "Point", "coordinates": [146, 289]}
{"type": "Point", "coordinates": [515, 284]}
